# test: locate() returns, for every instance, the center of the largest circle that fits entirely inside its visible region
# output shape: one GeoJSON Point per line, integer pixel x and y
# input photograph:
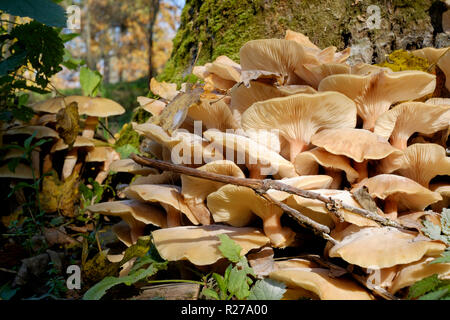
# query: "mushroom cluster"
{"type": "Point", "coordinates": [300, 115]}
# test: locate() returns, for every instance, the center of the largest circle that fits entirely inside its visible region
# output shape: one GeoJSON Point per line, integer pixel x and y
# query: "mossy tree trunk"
{"type": "Point", "coordinates": [211, 28]}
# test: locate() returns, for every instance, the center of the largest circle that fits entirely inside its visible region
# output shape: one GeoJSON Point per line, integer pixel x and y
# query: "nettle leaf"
{"type": "Point", "coordinates": [125, 150]}
{"type": "Point", "coordinates": [229, 249]}
{"type": "Point", "coordinates": [237, 284]}
{"type": "Point", "coordinates": [423, 286]}
{"type": "Point", "coordinates": [90, 81]}
{"type": "Point", "coordinates": [445, 258]}
{"type": "Point", "coordinates": [267, 289]}
{"type": "Point", "coordinates": [44, 11]}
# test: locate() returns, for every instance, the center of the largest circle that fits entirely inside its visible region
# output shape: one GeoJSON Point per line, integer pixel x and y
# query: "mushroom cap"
{"type": "Point", "coordinates": [300, 38]}
{"type": "Point", "coordinates": [403, 120]}
{"type": "Point", "coordinates": [251, 153]}
{"type": "Point", "coordinates": [163, 89]}
{"type": "Point", "coordinates": [155, 107]}
{"type": "Point", "coordinates": [213, 114]}
{"type": "Point", "coordinates": [374, 93]}
{"type": "Point", "coordinates": [123, 232]}
{"type": "Point", "coordinates": [22, 172]}
{"type": "Point", "coordinates": [318, 211]}
{"type": "Point", "coordinates": [236, 205]}
{"type": "Point", "coordinates": [277, 56]}
{"type": "Point", "coordinates": [200, 244]}
{"type": "Point", "coordinates": [166, 177]}
{"type": "Point", "coordinates": [298, 273]}
{"type": "Point", "coordinates": [41, 131]}
{"type": "Point", "coordinates": [163, 194]}
{"type": "Point", "coordinates": [95, 107]}
{"type": "Point", "coordinates": [243, 97]}
{"type": "Point", "coordinates": [298, 117]}
{"type": "Point", "coordinates": [128, 165]}
{"type": "Point", "coordinates": [408, 194]}
{"type": "Point", "coordinates": [156, 133]}
{"type": "Point", "coordinates": [308, 162]}
{"type": "Point", "coordinates": [314, 74]}
{"type": "Point", "coordinates": [439, 101]}
{"type": "Point", "coordinates": [139, 211]}
{"type": "Point", "coordinates": [421, 162]}
{"type": "Point", "coordinates": [429, 53]}
{"type": "Point", "coordinates": [302, 182]}
{"type": "Point", "coordinates": [361, 246]}
{"type": "Point", "coordinates": [416, 271]}
{"type": "Point", "coordinates": [225, 68]}
{"type": "Point", "coordinates": [357, 144]}
{"type": "Point", "coordinates": [102, 154]}
{"type": "Point", "coordinates": [80, 141]}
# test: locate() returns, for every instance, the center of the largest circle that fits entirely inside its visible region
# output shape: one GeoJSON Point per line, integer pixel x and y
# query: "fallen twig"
{"type": "Point", "coordinates": [262, 186]}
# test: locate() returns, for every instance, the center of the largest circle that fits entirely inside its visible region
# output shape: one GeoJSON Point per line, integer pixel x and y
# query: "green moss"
{"type": "Point", "coordinates": [128, 136]}
{"type": "Point", "coordinates": [400, 60]}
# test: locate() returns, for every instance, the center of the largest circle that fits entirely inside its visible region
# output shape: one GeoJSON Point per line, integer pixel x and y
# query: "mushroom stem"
{"type": "Point", "coordinates": [280, 237]}
{"type": "Point", "coordinates": [337, 177]}
{"type": "Point", "coordinates": [47, 164]}
{"type": "Point", "coordinates": [390, 208]}
{"type": "Point", "coordinates": [90, 126]}
{"type": "Point", "coordinates": [173, 216]}
{"type": "Point", "coordinates": [295, 147]}
{"type": "Point", "coordinates": [200, 211]}
{"type": "Point", "coordinates": [361, 167]}
{"type": "Point", "coordinates": [69, 163]}
{"type": "Point", "coordinates": [35, 161]}
{"type": "Point", "coordinates": [255, 171]}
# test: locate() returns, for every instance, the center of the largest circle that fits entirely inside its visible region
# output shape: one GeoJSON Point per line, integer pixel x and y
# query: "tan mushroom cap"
{"type": "Point", "coordinates": [166, 177]}
{"type": "Point", "coordinates": [95, 107]}
{"type": "Point", "coordinates": [421, 162]}
{"type": "Point", "coordinates": [416, 271]}
{"type": "Point", "coordinates": [41, 131]}
{"type": "Point", "coordinates": [374, 93]}
{"type": "Point", "coordinates": [225, 68]}
{"type": "Point", "coordinates": [164, 89]}
{"type": "Point", "coordinates": [243, 97]}
{"type": "Point", "coordinates": [155, 107]}
{"type": "Point", "coordinates": [278, 56]}
{"type": "Point", "coordinates": [101, 154]}
{"type": "Point", "coordinates": [439, 101]}
{"type": "Point", "coordinates": [314, 74]}
{"type": "Point", "coordinates": [200, 244]}
{"type": "Point", "coordinates": [260, 160]}
{"type": "Point", "coordinates": [361, 246]}
{"type": "Point", "coordinates": [136, 214]}
{"type": "Point", "coordinates": [308, 162]}
{"type": "Point", "coordinates": [408, 194]}
{"type": "Point", "coordinates": [128, 165]}
{"type": "Point", "coordinates": [429, 53]}
{"type": "Point", "coordinates": [166, 195]}
{"type": "Point", "coordinates": [444, 64]}
{"type": "Point", "coordinates": [298, 117]}
{"type": "Point", "coordinates": [403, 120]}
{"type": "Point", "coordinates": [156, 133]}
{"type": "Point", "coordinates": [317, 210]}
{"type": "Point", "coordinates": [300, 38]}
{"type": "Point", "coordinates": [80, 141]}
{"type": "Point", "coordinates": [444, 190]}
{"type": "Point", "coordinates": [236, 205]}
{"type": "Point", "coordinates": [309, 182]}
{"type": "Point", "coordinates": [298, 273]}
{"type": "Point", "coordinates": [123, 232]}
{"type": "Point", "coordinates": [195, 190]}
{"type": "Point", "coordinates": [357, 144]}
{"type": "Point", "coordinates": [22, 172]}
{"type": "Point", "coordinates": [213, 114]}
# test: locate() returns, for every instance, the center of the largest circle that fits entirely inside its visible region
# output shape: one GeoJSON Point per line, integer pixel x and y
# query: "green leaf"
{"type": "Point", "coordinates": [267, 289]}
{"type": "Point", "coordinates": [90, 81]}
{"type": "Point", "coordinates": [220, 282]}
{"type": "Point", "coordinates": [436, 295]}
{"type": "Point", "coordinates": [44, 11]}
{"type": "Point", "coordinates": [207, 292]}
{"type": "Point", "coordinates": [6, 292]}
{"type": "Point", "coordinates": [237, 284]}
{"type": "Point", "coordinates": [423, 286]}
{"type": "Point", "coordinates": [13, 163]}
{"type": "Point", "coordinates": [445, 258]}
{"type": "Point", "coordinates": [99, 290]}
{"type": "Point", "coordinates": [12, 63]}
{"type": "Point", "coordinates": [23, 99]}
{"type": "Point", "coordinates": [70, 62]}
{"type": "Point", "coordinates": [229, 249]}
{"type": "Point", "coordinates": [126, 150]}
{"type": "Point", "coordinates": [243, 264]}
{"type": "Point", "coordinates": [66, 37]}
{"type": "Point", "coordinates": [139, 249]}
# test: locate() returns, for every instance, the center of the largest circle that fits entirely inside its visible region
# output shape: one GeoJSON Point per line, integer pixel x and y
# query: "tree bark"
{"type": "Point", "coordinates": [154, 9]}
{"type": "Point", "coordinates": [87, 27]}
{"type": "Point", "coordinates": [223, 26]}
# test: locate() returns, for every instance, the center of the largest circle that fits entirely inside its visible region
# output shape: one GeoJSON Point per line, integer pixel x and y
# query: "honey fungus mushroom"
{"type": "Point", "coordinates": [298, 117]}
{"type": "Point", "coordinates": [236, 206]}
{"type": "Point", "coordinates": [199, 244]}
{"type": "Point", "coordinates": [374, 93]}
